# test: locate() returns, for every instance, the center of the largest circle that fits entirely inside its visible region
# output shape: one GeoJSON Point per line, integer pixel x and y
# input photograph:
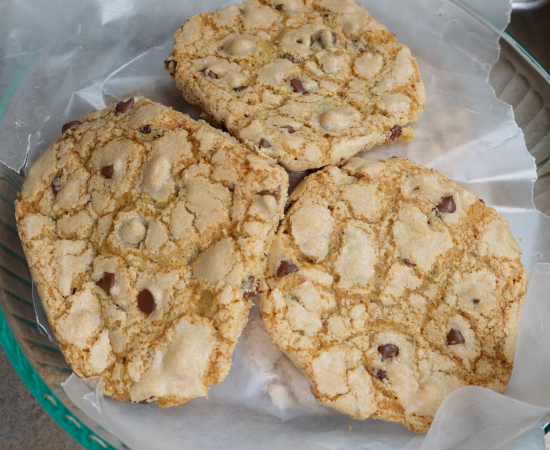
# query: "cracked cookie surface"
{"type": "Point", "coordinates": [146, 235]}
{"type": "Point", "coordinates": [308, 83]}
{"type": "Point", "coordinates": [390, 286]}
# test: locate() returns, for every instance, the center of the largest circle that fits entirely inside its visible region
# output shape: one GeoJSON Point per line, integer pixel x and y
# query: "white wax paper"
{"type": "Point", "coordinates": [60, 60]}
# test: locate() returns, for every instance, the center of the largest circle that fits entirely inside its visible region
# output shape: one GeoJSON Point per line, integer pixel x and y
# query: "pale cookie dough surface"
{"type": "Point", "coordinates": [146, 235]}
{"type": "Point", "coordinates": [308, 83]}
{"type": "Point", "coordinates": [390, 286]}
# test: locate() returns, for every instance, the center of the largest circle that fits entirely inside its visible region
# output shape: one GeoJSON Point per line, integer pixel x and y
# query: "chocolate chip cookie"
{"type": "Point", "coordinates": [390, 286]}
{"type": "Point", "coordinates": [146, 235]}
{"type": "Point", "coordinates": [308, 83]}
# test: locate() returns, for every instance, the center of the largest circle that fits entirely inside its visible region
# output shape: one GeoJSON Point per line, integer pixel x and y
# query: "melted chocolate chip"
{"type": "Point", "coordinates": [297, 86]}
{"type": "Point", "coordinates": [481, 201]}
{"type": "Point", "coordinates": [212, 74]}
{"type": "Point", "coordinates": [146, 301]}
{"type": "Point", "coordinates": [146, 129]}
{"type": "Point", "coordinates": [231, 187]}
{"type": "Point", "coordinates": [455, 337]}
{"type": "Point", "coordinates": [285, 268]}
{"type": "Point", "coordinates": [167, 66]}
{"type": "Point", "coordinates": [56, 185]}
{"type": "Point", "coordinates": [334, 38]}
{"type": "Point", "coordinates": [238, 88]}
{"type": "Point", "coordinates": [278, 7]}
{"type": "Point", "coordinates": [70, 125]}
{"type": "Point", "coordinates": [108, 171]}
{"type": "Point", "coordinates": [122, 107]}
{"type": "Point", "coordinates": [143, 402]}
{"type": "Point", "coordinates": [292, 59]}
{"type": "Point", "coordinates": [381, 374]}
{"type": "Point", "coordinates": [408, 263]}
{"type": "Point", "coordinates": [107, 282]}
{"type": "Point", "coordinates": [395, 132]}
{"type": "Point", "coordinates": [475, 301]}
{"type": "Point", "coordinates": [447, 205]}
{"type": "Point", "coordinates": [250, 288]}
{"type": "Point", "coordinates": [223, 125]}
{"type": "Point", "coordinates": [264, 143]}
{"type": "Point", "coordinates": [289, 129]}
{"type": "Point", "coordinates": [273, 194]}
{"type": "Point", "coordinates": [299, 41]}
{"type": "Point", "coordinates": [388, 351]}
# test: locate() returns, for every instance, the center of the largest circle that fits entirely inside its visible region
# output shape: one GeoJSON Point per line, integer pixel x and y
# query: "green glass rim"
{"type": "Point", "coordinates": [44, 395]}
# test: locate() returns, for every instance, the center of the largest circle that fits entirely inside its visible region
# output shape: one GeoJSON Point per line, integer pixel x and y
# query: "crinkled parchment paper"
{"type": "Point", "coordinates": [61, 60]}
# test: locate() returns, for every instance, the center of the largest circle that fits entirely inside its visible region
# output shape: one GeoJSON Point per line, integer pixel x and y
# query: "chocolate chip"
{"type": "Point", "coordinates": [70, 125]}
{"type": "Point", "coordinates": [56, 185]}
{"type": "Point", "coordinates": [108, 171]}
{"type": "Point", "coordinates": [167, 66]}
{"type": "Point", "coordinates": [475, 301]}
{"type": "Point", "coordinates": [264, 143]}
{"type": "Point", "coordinates": [408, 263]}
{"type": "Point", "coordinates": [289, 129]}
{"type": "Point", "coordinates": [334, 38]}
{"type": "Point", "coordinates": [388, 351]}
{"type": "Point", "coordinates": [143, 402]}
{"type": "Point", "coordinates": [311, 41]}
{"type": "Point", "coordinates": [231, 187]}
{"type": "Point", "coordinates": [285, 268]}
{"type": "Point", "coordinates": [447, 205]}
{"type": "Point", "coordinates": [223, 125]}
{"type": "Point", "coordinates": [238, 88]}
{"type": "Point", "coordinates": [212, 74]}
{"type": "Point", "coordinates": [297, 86]}
{"type": "Point", "coordinates": [107, 282]}
{"type": "Point", "coordinates": [146, 129]}
{"type": "Point", "coordinates": [278, 7]}
{"type": "Point", "coordinates": [381, 374]}
{"type": "Point", "coordinates": [395, 132]}
{"type": "Point", "coordinates": [122, 107]}
{"type": "Point", "coordinates": [146, 301]}
{"type": "Point", "coordinates": [250, 288]}
{"type": "Point", "coordinates": [273, 194]}
{"type": "Point", "coordinates": [455, 337]}
{"type": "Point", "coordinates": [294, 60]}
{"type": "Point", "coordinates": [481, 201]}
{"type": "Point", "coordinates": [299, 41]}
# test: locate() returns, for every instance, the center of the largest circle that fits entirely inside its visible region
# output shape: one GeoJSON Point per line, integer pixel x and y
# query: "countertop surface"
{"type": "Point", "coordinates": [26, 425]}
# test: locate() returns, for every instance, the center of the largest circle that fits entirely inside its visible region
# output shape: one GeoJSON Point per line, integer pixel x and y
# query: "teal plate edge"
{"type": "Point", "coordinates": [62, 415]}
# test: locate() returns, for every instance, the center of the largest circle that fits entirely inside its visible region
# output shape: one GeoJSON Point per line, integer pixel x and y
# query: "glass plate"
{"type": "Point", "coordinates": [517, 79]}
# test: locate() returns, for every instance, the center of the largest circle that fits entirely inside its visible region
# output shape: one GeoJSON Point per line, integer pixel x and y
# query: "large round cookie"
{"type": "Point", "coordinates": [390, 286]}
{"type": "Point", "coordinates": [308, 83]}
{"type": "Point", "coordinates": [145, 233]}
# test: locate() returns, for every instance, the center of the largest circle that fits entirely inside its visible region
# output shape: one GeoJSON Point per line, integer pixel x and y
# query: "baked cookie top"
{"type": "Point", "coordinates": [308, 83]}
{"type": "Point", "coordinates": [390, 286]}
{"type": "Point", "coordinates": [145, 233]}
